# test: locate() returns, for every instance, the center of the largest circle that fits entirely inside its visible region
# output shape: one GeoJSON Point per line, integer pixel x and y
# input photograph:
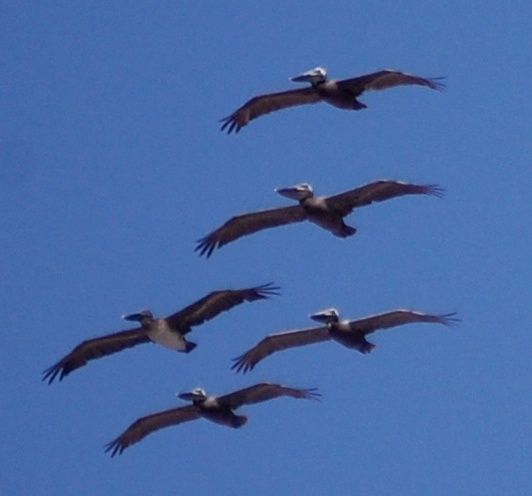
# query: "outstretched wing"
{"type": "Point", "coordinates": [383, 80]}
{"type": "Point", "coordinates": [95, 348]}
{"type": "Point", "coordinates": [217, 302]}
{"type": "Point", "coordinates": [279, 342]}
{"type": "Point", "coordinates": [144, 426]}
{"type": "Point", "coordinates": [264, 392]}
{"type": "Point", "coordinates": [245, 224]}
{"type": "Point", "coordinates": [378, 191]}
{"type": "Point", "coordinates": [398, 318]}
{"type": "Point", "coordinates": [264, 104]}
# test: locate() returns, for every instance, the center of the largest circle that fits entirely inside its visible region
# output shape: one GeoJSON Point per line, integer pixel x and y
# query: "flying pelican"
{"type": "Point", "coordinates": [168, 331]}
{"type": "Point", "coordinates": [351, 334]}
{"type": "Point", "coordinates": [342, 94]}
{"type": "Point", "coordinates": [326, 211]}
{"type": "Point", "coordinates": [217, 409]}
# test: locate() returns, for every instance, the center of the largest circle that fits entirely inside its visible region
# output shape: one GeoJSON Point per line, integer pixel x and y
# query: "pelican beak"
{"type": "Point", "coordinates": [187, 396]}
{"type": "Point", "coordinates": [295, 192]}
{"type": "Point", "coordinates": [314, 76]}
{"type": "Point", "coordinates": [325, 316]}
{"type": "Point", "coordinates": [135, 317]}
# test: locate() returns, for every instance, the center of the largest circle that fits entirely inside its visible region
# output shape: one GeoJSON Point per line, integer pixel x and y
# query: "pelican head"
{"type": "Point", "coordinates": [138, 316]}
{"type": "Point", "coordinates": [315, 76]}
{"type": "Point", "coordinates": [299, 192]}
{"type": "Point", "coordinates": [197, 394]}
{"type": "Point", "coordinates": [326, 316]}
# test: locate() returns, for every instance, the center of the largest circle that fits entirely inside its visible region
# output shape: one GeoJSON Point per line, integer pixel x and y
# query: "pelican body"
{"type": "Point", "coordinates": [341, 94]}
{"type": "Point", "coordinates": [343, 331]}
{"type": "Point", "coordinates": [317, 210]}
{"type": "Point", "coordinates": [168, 331]}
{"type": "Point", "coordinates": [351, 334]}
{"type": "Point", "coordinates": [327, 212]}
{"type": "Point", "coordinates": [217, 409]}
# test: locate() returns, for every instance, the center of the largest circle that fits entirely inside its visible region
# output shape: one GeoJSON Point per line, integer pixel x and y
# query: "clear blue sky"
{"type": "Point", "coordinates": [112, 165]}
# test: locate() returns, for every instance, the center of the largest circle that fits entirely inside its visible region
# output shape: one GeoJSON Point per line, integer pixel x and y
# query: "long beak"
{"type": "Point", "coordinates": [313, 76]}
{"type": "Point", "coordinates": [306, 77]}
{"type": "Point", "coordinates": [325, 316]}
{"type": "Point", "coordinates": [187, 396]}
{"type": "Point", "coordinates": [292, 193]}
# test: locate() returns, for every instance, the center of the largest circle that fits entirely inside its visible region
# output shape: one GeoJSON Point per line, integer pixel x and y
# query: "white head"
{"type": "Point", "coordinates": [138, 316]}
{"type": "Point", "coordinates": [314, 76]}
{"type": "Point", "coordinates": [298, 192]}
{"type": "Point", "coordinates": [196, 394]}
{"type": "Point", "coordinates": [326, 316]}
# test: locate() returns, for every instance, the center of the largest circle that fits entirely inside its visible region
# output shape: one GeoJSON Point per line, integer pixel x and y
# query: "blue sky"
{"type": "Point", "coordinates": [112, 165]}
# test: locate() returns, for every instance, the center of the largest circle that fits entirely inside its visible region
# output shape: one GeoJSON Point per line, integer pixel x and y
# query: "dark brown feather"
{"type": "Point", "coordinates": [264, 104]}
{"type": "Point", "coordinates": [398, 318]}
{"type": "Point", "coordinates": [385, 79]}
{"type": "Point", "coordinates": [144, 426]}
{"type": "Point", "coordinates": [378, 191]}
{"type": "Point", "coordinates": [218, 302]}
{"type": "Point", "coordinates": [95, 348]}
{"type": "Point", "coordinates": [264, 392]}
{"type": "Point", "coordinates": [246, 224]}
{"type": "Point", "coordinates": [278, 342]}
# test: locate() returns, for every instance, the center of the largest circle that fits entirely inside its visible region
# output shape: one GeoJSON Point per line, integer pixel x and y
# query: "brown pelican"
{"type": "Point", "coordinates": [342, 94]}
{"type": "Point", "coordinates": [217, 409]}
{"type": "Point", "coordinates": [168, 331]}
{"type": "Point", "coordinates": [351, 334]}
{"type": "Point", "coordinates": [326, 211]}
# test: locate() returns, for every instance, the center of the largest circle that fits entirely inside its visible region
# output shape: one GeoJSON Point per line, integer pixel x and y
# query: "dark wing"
{"type": "Point", "coordinates": [344, 203]}
{"type": "Point", "coordinates": [398, 318]}
{"type": "Point", "coordinates": [264, 392]}
{"type": "Point", "coordinates": [383, 80]}
{"type": "Point", "coordinates": [217, 302]}
{"type": "Point", "coordinates": [95, 348]}
{"type": "Point", "coordinates": [279, 342]}
{"type": "Point", "coordinates": [144, 426]}
{"type": "Point", "coordinates": [245, 224]}
{"type": "Point", "coordinates": [264, 104]}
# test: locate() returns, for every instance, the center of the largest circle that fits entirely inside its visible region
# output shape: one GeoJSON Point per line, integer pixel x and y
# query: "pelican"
{"type": "Point", "coordinates": [342, 94]}
{"type": "Point", "coordinates": [217, 409]}
{"type": "Point", "coordinates": [168, 331]}
{"type": "Point", "coordinates": [351, 334]}
{"type": "Point", "coordinates": [325, 211]}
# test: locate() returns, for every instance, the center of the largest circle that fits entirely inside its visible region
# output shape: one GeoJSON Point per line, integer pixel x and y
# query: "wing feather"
{"type": "Point", "coordinates": [278, 342]}
{"type": "Point", "coordinates": [264, 104]}
{"type": "Point", "coordinates": [378, 191]}
{"type": "Point", "coordinates": [385, 79]}
{"type": "Point", "coordinates": [95, 348]}
{"type": "Point", "coordinates": [219, 301]}
{"type": "Point", "coordinates": [400, 317]}
{"type": "Point", "coordinates": [264, 392]}
{"type": "Point", "coordinates": [245, 224]}
{"type": "Point", "coordinates": [144, 426]}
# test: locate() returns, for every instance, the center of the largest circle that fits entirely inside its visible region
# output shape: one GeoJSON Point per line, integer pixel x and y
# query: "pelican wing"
{"type": "Point", "coordinates": [245, 224]}
{"type": "Point", "coordinates": [95, 348]}
{"type": "Point", "coordinates": [264, 392]}
{"type": "Point", "coordinates": [217, 302]}
{"type": "Point", "coordinates": [144, 426]}
{"type": "Point", "coordinates": [264, 104]}
{"type": "Point", "coordinates": [279, 342]}
{"type": "Point", "coordinates": [383, 80]}
{"type": "Point", "coordinates": [398, 318]}
{"type": "Point", "coordinates": [378, 191]}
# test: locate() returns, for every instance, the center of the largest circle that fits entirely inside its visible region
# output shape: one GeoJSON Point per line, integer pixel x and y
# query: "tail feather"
{"type": "Point", "coordinates": [189, 346]}
{"type": "Point", "coordinates": [239, 421]}
{"type": "Point", "coordinates": [347, 231]}
{"type": "Point", "coordinates": [367, 347]}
